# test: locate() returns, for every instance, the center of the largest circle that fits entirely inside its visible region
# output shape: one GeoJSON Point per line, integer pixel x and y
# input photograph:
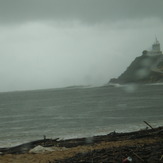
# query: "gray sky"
{"type": "Point", "coordinates": [58, 43]}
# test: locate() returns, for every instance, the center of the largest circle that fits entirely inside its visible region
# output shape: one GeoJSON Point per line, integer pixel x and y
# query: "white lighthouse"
{"type": "Point", "coordinates": [156, 46]}
{"type": "Point", "coordinates": [156, 50]}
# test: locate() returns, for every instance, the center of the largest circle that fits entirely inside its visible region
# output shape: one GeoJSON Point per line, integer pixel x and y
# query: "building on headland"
{"type": "Point", "coordinates": [156, 46]}
{"type": "Point", "coordinates": [156, 50]}
{"type": "Point", "coordinates": [147, 68]}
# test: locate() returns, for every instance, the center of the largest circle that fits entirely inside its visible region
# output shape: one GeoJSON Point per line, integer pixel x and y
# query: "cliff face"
{"type": "Point", "coordinates": [144, 69]}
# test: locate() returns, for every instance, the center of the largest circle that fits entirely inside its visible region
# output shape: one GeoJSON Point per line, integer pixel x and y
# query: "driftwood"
{"type": "Point", "coordinates": [24, 148]}
{"type": "Point", "coordinates": [137, 156]}
{"type": "Point", "coordinates": [140, 153]}
{"type": "Point", "coordinates": [145, 154]}
{"type": "Point", "coordinates": [148, 124]}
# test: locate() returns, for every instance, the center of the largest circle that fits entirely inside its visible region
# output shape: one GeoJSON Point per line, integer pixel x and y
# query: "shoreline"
{"type": "Point", "coordinates": [71, 150]}
{"type": "Point", "coordinates": [120, 128]}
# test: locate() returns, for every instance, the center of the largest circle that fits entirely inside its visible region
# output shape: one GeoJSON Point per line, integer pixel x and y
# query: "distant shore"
{"type": "Point", "coordinates": [142, 146]}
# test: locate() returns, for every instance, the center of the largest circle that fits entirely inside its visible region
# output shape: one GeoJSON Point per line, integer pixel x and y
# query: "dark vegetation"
{"type": "Point", "coordinates": [144, 69]}
{"type": "Point", "coordinates": [145, 153]}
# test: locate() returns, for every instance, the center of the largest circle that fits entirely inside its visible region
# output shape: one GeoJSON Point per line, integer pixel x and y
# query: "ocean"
{"type": "Point", "coordinates": [78, 112]}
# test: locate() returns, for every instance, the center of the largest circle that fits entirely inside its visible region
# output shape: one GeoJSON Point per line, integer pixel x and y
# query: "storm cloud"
{"type": "Point", "coordinates": [90, 11]}
{"type": "Point", "coordinates": [57, 43]}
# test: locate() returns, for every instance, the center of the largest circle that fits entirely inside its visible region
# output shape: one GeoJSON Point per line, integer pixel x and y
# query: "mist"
{"type": "Point", "coordinates": [51, 44]}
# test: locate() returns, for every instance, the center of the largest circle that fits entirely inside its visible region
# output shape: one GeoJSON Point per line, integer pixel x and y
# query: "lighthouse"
{"type": "Point", "coordinates": [156, 50]}
{"type": "Point", "coordinates": [156, 47]}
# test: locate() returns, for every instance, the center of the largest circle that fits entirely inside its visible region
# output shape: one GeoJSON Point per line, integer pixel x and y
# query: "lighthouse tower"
{"type": "Point", "coordinates": [156, 50]}
{"type": "Point", "coordinates": [156, 47]}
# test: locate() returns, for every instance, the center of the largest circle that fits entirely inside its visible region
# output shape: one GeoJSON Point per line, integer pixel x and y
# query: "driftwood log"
{"type": "Point", "coordinates": [156, 133]}
{"type": "Point", "coordinates": [140, 153]}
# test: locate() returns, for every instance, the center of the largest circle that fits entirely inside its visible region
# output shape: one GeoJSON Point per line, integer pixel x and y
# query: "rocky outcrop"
{"type": "Point", "coordinates": [147, 68]}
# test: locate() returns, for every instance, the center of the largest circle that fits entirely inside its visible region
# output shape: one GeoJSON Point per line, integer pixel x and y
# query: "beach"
{"type": "Point", "coordinates": [142, 146]}
{"type": "Point", "coordinates": [102, 124]}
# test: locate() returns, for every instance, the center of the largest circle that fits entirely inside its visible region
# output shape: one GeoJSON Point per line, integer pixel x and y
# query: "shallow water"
{"type": "Point", "coordinates": [77, 112]}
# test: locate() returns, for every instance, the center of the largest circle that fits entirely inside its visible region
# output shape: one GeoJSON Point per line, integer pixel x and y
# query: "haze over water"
{"type": "Point", "coordinates": [78, 112]}
{"type": "Point", "coordinates": [58, 43]}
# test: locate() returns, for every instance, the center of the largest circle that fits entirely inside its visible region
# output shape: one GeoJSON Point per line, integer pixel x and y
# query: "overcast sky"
{"type": "Point", "coordinates": [59, 43]}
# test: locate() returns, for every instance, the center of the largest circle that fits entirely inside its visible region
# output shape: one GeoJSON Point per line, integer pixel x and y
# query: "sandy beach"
{"type": "Point", "coordinates": [141, 146]}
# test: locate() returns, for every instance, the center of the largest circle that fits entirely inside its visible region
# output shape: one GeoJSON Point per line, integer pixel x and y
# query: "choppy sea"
{"type": "Point", "coordinates": [78, 112]}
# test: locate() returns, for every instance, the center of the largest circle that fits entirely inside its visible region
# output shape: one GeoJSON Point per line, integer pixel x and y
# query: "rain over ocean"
{"type": "Point", "coordinates": [78, 112]}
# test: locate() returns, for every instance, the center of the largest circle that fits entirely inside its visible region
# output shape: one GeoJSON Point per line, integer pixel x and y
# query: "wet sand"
{"type": "Point", "coordinates": [141, 146]}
